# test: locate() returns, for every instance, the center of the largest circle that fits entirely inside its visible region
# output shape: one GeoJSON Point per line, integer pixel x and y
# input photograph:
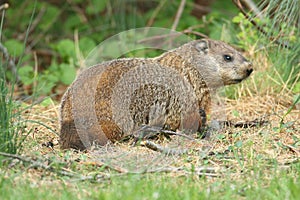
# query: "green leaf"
{"type": "Point", "coordinates": [68, 73]}
{"type": "Point", "coordinates": [236, 113]}
{"type": "Point", "coordinates": [15, 48]}
{"type": "Point", "coordinates": [72, 22]}
{"type": "Point", "coordinates": [96, 6]}
{"type": "Point", "coordinates": [45, 86]}
{"type": "Point", "coordinates": [51, 77]}
{"type": "Point", "coordinates": [47, 101]}
{"type": "Point", "coordinates": [54, 67]}
{"type": "Point", "coordinates": [26, 74]}
{"type": "Point", "coordinates": [239, 18]}
{"type": "Point", "coordinates": [51, 15]}
{"type": "Point", "coordinates": [296, 88]}
{"type": "Point", "coordinates": [66, 49]}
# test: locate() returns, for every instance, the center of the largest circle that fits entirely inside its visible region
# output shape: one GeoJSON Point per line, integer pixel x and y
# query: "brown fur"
{"type": "Point", "coordinates": [91, 111]}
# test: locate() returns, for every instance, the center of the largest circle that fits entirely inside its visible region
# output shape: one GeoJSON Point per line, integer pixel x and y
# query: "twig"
{"type": "Point", "coordinates": [195, 33]}
{"type": "Point", "coordinates": [259, 28]}
{"type": "Point", "coordinates": [38, 164]}
{"type": "Point", "coordinates": [200, 171]}
{"type": "Point", "coordinates": [148, 131]}
{"type": "Point", "coordinates": [164, 150]}
{"type": "Point", "coordinates": [291, 161]}
{"type": "Point", "coordinates": [245, 124]}
{"type": "Point", "coordinates": [297, 151]}
{"type": "Point", "coordinates": [95, 178]}
{"type": "Point", "coordinates": [177, 133]}
{"type": "Point", "coordinates": [105, 165]}
{"type": "Point", "coordinates": [240, 7]}
{"type": "Point", "coordinates": [252, 7]}
{"type": "Point", "coordinates": [21, 158]}
{"type": "Point", "coordinates": [178, 14]}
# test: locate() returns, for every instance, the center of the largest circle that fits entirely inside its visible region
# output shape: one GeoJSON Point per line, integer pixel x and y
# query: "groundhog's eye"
{"type": "Point", "coordinates": [227, 58]}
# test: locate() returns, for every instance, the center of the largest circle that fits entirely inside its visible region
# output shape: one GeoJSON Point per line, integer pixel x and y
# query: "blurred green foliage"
{"type": "Point", "coordinates": [62, 33]}
{"type": "Point", "coordinates": [56, 24]}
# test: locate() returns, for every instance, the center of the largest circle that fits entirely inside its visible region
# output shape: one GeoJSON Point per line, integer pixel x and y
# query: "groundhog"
{"type": "Point", "coordinates": [116, 98]}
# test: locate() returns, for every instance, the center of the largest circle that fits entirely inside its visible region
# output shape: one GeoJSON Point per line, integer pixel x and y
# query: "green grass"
{"type": "Point", "coordinates": [283, 184]}
{"type": "Point", "coordinates": [12, 125]}
{"type": "Point", "coordinates": [260, 169]}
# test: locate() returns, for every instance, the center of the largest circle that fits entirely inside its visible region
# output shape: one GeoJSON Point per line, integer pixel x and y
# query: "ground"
{"type": "Point", "coordinates": [239, 160]}
{"type": "Point", "coordinates": [275, 138]}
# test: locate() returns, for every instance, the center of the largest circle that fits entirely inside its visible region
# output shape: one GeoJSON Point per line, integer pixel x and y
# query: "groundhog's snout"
{"type": "Point", "coordinates": [249, 68]}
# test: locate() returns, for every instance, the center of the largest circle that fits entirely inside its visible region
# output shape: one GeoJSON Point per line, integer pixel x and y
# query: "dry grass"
{"type": "Point", "coordinates": [277, 141]}
{"type": "Point", "coordinates": [268, 142]}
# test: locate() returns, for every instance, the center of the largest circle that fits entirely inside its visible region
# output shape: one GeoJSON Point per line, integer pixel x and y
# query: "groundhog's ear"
{"type": "Point", "coordinates": [202, 45]}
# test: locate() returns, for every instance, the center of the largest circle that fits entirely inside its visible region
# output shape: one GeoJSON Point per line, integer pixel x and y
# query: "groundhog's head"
{"type": "Point", "coordinates": [219, 63]}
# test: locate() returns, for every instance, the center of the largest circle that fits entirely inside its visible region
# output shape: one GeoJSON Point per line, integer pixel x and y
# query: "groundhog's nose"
{"type": "Point", "coordinates": [249, 71]}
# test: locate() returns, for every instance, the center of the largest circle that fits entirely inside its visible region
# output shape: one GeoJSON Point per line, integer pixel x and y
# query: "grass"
{"type": "Point", "coordinates": [13, 130]}
{"type": "Point", "coordinates": [263, 164]}
{"type": "Point", "coordinates": [250, 163]}
{"type": "Point", "coordinates": [12, 126]}
{"type": "Point", "coordinates": [273, 185]}
{"type": "Point", "coordinates": [259, 162]}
